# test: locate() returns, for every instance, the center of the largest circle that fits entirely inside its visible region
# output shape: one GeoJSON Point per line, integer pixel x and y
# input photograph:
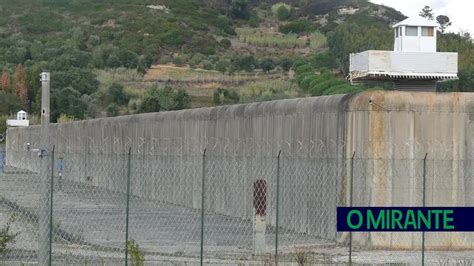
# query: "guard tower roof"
{"type": "Point", "coordinates": [416, 21]}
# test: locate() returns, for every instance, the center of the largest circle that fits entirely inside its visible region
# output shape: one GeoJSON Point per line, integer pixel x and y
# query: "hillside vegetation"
{"type": "Point", "coordinates": [115, 57]}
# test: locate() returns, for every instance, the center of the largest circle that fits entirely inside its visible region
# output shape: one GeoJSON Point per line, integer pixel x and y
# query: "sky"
{"type": "Point", "coordinates": [461, 12]}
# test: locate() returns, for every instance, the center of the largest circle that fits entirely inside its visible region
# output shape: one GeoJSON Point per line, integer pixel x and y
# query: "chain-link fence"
{"type": "Point", "coordinates": [221, 209]}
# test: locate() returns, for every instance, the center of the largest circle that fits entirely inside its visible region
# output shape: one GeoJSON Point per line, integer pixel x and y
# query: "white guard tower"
{"type": "Point", "coordinates": [20, 121]}
{"type": "Point", "coordinates": [414, 63]}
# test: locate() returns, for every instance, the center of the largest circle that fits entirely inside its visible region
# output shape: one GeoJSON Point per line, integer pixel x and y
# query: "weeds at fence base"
{"type": "Point", "coordinates": [6, 236]}
{"type": "Point", "coordinates": [137, 257]}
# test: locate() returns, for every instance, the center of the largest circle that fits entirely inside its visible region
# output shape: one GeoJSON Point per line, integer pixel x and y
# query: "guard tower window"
{"type": "Point", "coordinates": [427, 31]}
{"type": "Point", "coordinates": [396, 32]}
{"type": "Point", "coordinates": [411, 31]}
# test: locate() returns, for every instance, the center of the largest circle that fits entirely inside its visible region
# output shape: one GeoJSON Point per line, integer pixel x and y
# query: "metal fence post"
{"type": "Point", "coordinates": [350, 204]}
{"type": "Point", "coordinates": [277, 213]}
{"type": "Point", "coordinates": [128, 203]}
{"type": "Point", "coordinates": [51, 208]}
{"type": "Point", "coordinates": [424, 204]}
{"type": "Point", "coordinates": [203, 187]}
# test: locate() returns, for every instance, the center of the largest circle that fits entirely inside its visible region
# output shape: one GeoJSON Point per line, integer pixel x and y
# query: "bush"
{"type": "Point", "coordinates": [196, 59]}
{"type": "Point", "coordinates": [222, 66]}
{"type": "Point", "coordinates": [67, 101]}
{"type": "Point", "coordinates": [223, 96]}
{"type": "Point", "coordinates": [268, 90]}
{"type": "Point", "coordinates": [116, 94]}
{"type": "Point", "coordinates": [299, 26]}
{"type": "Point", "coordinates": [64, 118]}
{"type": "Point", "coordinates": [303, 69]}
{"type": "Point", "coordinates": [165, 99]}
{"type": "Point", "coordinates": [178, 61]}
{"type": "Point", "coordinates": [112, 110]}
{"type": "Point", "coordinates": [246, 63]}
{"type": "Point", "coordinates": [240, 9]}
{"type": "Point", "coordinates": [283, 12]}
{"type": "Point", "coordinates": [6, 236]}
{"type": "Point", "coordinates": [267, 64]}
{"type": "Point", "coordinates": [286, 64]}
{"type": "Point", "coordinates": [225, 43]}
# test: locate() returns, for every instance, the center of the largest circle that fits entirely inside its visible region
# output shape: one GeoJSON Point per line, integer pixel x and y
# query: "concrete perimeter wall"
{"type": "Point", "coordinates": [390, 137]}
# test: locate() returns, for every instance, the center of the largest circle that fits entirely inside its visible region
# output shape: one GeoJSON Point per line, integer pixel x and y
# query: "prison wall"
{"type": "Point", "coordinates": [378, 138]}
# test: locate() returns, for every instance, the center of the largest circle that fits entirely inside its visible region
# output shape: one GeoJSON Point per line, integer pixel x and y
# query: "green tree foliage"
{"type": "Point", "coordinates": [223, 96]}
{"type": "Point", "coordinates": [298, 26]}
{"type": "Point", "coordinates": [116, 94]}
{"type": "Point", "coordinates": [165, 99]}
{"type": "Point", "coordinates": [353, 38]}
{"type": "Point", "coordinates": [267, 64]}
{"type": "Point", "coordinates": [444, 22]}
{"type": "Point", "coordinates": [427, 13]}
{"type": "Point", "coordinates": [325, 83]}
{"type": "Point", "coordinates": [240, 9]}
{"type": "Point", "coordinates": [283, 12]}
{"type": "Point", "coordinates": [82, 80]}
{"type": "Point", "coordinates": [67, 101]}
{"type": "Point", "coordinates": [246, 63]}
{"type": "Point", "coordinates": [8, 103]}
{"type": "Point", "coordinates": [324, 60]}
{"type": "Point", "coordinates": [285, 64]}
{"type": "Point", "coordinates": [113, 110]}
{"type": "Point", "coordinates": [461, 43]}
{"type": "Point", "coordinates": [225, 43]}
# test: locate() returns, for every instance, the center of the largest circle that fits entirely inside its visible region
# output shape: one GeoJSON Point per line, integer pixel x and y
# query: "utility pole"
{"type": "Point", "coordinates": [45, 172]}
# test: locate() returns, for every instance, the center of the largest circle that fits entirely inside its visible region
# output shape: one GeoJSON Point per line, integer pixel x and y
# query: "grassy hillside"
{"type": "Point", "coordinates": [112, 57]}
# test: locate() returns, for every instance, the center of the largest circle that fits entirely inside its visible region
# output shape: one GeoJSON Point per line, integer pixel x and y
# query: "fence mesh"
{"type": "Point", "coordinates": [229, 209]}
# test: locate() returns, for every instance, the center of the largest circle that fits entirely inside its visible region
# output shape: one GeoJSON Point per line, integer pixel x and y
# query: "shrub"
{"type": "Point", "coordinates": [178, 60]}
{"type": "Point", "coordinates": [317, 40]}
{"type": "Point", "coordinates": [116, 94]}
{"type": "Point", "coordinates": [166, 99]}
{"type": "Point", "coordinates": [268, 90]}
{"type": "Point", "coordinates": [6, 236]}
{"type": "Point", "coordinates": [281, 10]}
{"type": "Point", "coordinates": [222, 65]}
{"type": "Point", "coordinates": [112, 110]}
{"type": "Point", "coordinates": [136, 255]}
{"type": "Point", "coordinates": [225, 43]}
{"type": "Point", "coordinates": [299, 26]}
{"type": "Point", "coordinates": [267, 64]}
{"type": "Point", "coordinates": [286, 64]}
{"type": "Point", "coordinates": [64, 118]}
{"type": "Point", "coordinates": [223, 96]}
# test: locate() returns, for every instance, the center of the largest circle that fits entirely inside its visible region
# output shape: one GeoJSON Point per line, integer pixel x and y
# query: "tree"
{"type": "Point", "coordinates": [240, 9]}
{"type": "Point", "coordinates": [33, 83]}
{"type": "Point", "coordinates": [165, 99]}
{"type": "Point", "coordinates": [286, 64]}
{"type": "Point", "coordinates": [5, 81]}
{"type": "Point", "coordinates": [246, 63]}
{"type": "Point", "coordinates": [353, 38]}
{"type": "Point", "coordinates": [67, 101]}
{"type": "Point", "coordinates": [21, 89]}
{"type": "Point", "coordinates": [427, 13]}
{"type": "Point", "coordinates": [116, 95]}
{"type": "Point", "coordinates": [444, 22]}
{"type": "Point", "coordinates": [151, 102]}
{"type": "Point", "coordinates": [267, 64]}
{"type": "Point", "coordinates": [283, 12]}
